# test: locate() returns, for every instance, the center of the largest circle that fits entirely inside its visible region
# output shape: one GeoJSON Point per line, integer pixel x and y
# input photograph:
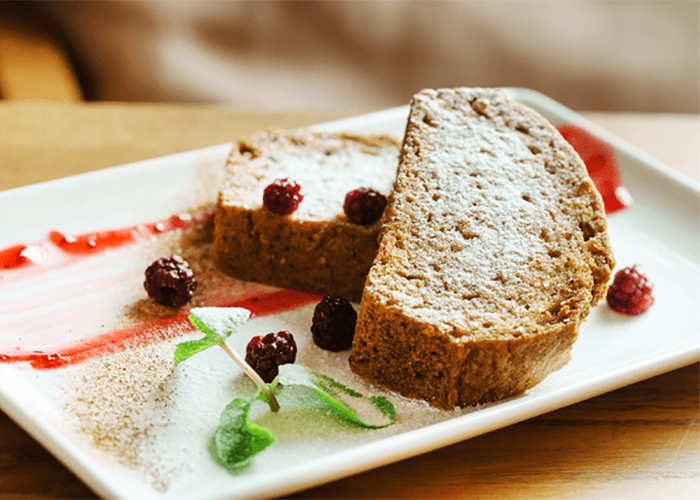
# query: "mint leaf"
{"type": "Point", "coordinates": [189, 348]}
{"type": "Point", "coordinates": [334, 391]}
{"type": "Point", "coordinates": [237, 439]}
{"type": "Point", "coordinates": [217, 324]}
{"type": "Point", "coordinates": [293, 374]}
{"type": "Point", "coordinates": [219, 321]}
{"type": "Point", "coordinates": [372, 412]}
{"type": "Point", "coordinates": [201, 326]}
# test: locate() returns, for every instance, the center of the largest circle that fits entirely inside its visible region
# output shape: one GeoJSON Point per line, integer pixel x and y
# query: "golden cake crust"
{"type": "Point", "coordinates": [493, 251]}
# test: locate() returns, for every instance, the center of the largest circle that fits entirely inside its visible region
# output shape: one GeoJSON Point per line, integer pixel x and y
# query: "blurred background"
{"type": "Point", "coordinates": [639, 56]}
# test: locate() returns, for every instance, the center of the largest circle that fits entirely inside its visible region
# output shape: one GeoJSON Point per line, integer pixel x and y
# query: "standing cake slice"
{"type": "Point", "coordinates": [315, 247]}
{"type": "Point", "coordinates": [493, 251]}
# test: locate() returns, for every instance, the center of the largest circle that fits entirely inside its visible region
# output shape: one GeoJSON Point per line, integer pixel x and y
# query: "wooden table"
{"type": "Point", "coordinates": [640, 442]}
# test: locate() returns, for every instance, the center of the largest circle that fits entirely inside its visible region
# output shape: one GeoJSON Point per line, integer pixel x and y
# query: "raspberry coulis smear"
{"type": "Point", "coordinates": [156, 329]}
{"type": "Point", "coordinates": [22, 255]}
{"type": "Point", "coordinates": [60, 256]}
{"type": "Point", "coordinates": [599, 158]}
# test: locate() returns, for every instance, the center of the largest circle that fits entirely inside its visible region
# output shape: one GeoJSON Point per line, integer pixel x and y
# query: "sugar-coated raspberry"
{"type": "Point", "coordinates": [170, 281]}
{"type": "Point", "coordinates": [364, 206]}
{"type": "Point", "coordinates": [333, 324]}
{"type": "Point", "coordinates": [282, 197]}
{"type": "Point", "coordinates": [266, 354]}
{"type": "Point", "coordinates": [630, 292]}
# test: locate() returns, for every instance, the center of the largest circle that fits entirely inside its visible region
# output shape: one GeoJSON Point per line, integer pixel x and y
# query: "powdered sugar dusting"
{"type": "Point", "coordinates": [476, 213]}
{"type": "Point", "coordinates": [221, 321]}
{"type": "Point", "coordinates": [122, 403]}
{"type": "Point", "coordinates": [340, 164]}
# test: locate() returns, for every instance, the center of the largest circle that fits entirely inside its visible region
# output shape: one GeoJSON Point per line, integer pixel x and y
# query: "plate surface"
{"type": "Point", "coordinates": [163, 451]}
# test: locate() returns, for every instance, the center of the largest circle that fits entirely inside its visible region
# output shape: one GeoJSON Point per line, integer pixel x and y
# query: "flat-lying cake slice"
{"type": "Point", "coordinates": [316, 247]}
{"type": "Point", "coordinates": [493, 251]}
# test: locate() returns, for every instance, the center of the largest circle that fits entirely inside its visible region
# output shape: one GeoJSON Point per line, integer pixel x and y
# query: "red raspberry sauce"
{"type": "Point", "coordinates": [156, 329]}
{"type": "Point", "coordinates": [599, 158]}
{"type": "Point", "coordinates": [92, 243]}
{"type": "Point", "coordinates": [83, 246]}
{"type": "Point", "coordinates": [12, 257]}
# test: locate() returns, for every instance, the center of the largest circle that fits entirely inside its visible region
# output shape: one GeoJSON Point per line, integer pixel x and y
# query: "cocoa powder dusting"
{"type": "Point", "coordinates": [121, 401]}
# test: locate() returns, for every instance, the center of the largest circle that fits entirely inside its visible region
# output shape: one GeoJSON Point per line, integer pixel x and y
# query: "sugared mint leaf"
{"type": "Point", "coordinates": [237, 439]}
{"type": "Point", "coordinates": [293, 374]}
{"type": "Point", "coordinates": [372, 412]}
{"type": "Point", "coordinates": [217, 324]}
{"type": "Point", "coordinates": [219, 321]}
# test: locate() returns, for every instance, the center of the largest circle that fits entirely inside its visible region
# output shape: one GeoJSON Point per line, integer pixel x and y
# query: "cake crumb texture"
{"type": "Point", "coordinates": [493, 252]}
{"type": "Point", "coordinates": [316, 247]}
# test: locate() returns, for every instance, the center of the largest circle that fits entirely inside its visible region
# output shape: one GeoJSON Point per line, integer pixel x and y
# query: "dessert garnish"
{"type": "Point", "coordinates": [170, 281]}
{"type": "Point", "coordinates": [333, 325]}
{"type": "Point", "coordinates": [20, 255]}
{"type": "Point", "coordinates": [599, 158]}
{"type": "Point", "coordinates": [217, 324]}
{"type": "Point", "coordinates": [237, 439]}
{"type": "Point", "coordinates": [266, 354]}
{"type": "Point", "coordinates": [282, 197]}
{"type": "Point", "coordinates": [630, 292]}
{"type": "Point", "coordinates": [364, 206]}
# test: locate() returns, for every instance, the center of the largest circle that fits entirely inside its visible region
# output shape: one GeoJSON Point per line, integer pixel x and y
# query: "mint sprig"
{"type": "Point", "coordinates": [217, 324]}
{"type": "Point", "coordinates": [237, 439]}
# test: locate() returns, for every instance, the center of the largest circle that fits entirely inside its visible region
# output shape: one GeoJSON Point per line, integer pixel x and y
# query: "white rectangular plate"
{"type": "Point", "coordinates": [659, 232]}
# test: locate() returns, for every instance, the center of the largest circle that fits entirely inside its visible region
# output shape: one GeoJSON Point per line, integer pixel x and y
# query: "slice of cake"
{"type": "Point", "coordinates": [316, 247]}
{"type": "Point", "coordinates": [492, 253]}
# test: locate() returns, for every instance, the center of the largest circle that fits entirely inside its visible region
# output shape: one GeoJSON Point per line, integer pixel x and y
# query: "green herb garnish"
{"type": "Point", "coordinates": [339, 397]}
{"type": "Point", "coordinates": [217, 324]}
{"type": "Point", "coordinates": [237, 439]}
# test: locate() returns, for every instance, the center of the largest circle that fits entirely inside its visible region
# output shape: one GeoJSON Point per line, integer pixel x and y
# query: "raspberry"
{"type": "Point", "coordinates": [333, 325]}
{"type": "Point", "coordinates": [364, 206]}
{"type": "Point", "coordinates": [282, 197]}
{"type": "Point", "coordinates": [265, 354]}
{"type": "Point", "coordinates": [630, 292]}
{"type": "Point", "coordinates": [170, 281]}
